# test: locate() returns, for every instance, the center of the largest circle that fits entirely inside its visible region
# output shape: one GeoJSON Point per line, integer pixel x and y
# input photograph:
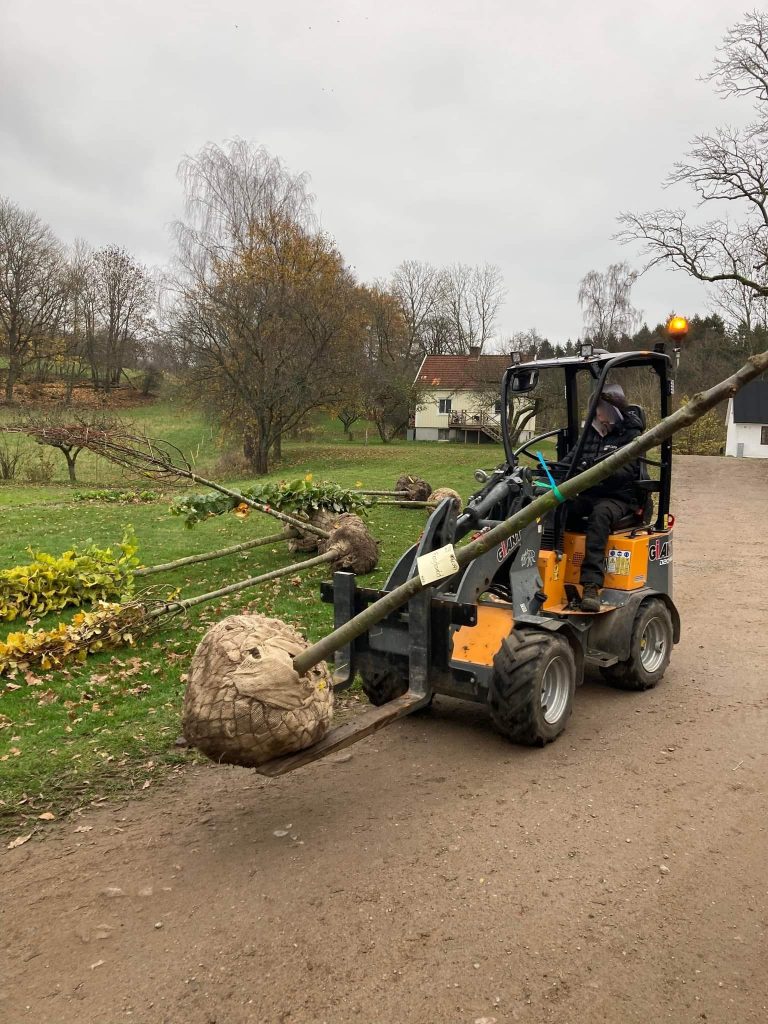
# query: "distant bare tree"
{"type": "Point", "coordinates": [471, 299]}
{"type": "Point", "coordinates": [31, 292]}
{"type": "Point", "coordinates": [530, 344]}
{"type": "Point", "coordinates": [417, 287]}
{"type": "Point", "coordinates": [75, 312]}
{"type": "Point", "coordinates": [118, 295]}
{"type": "Point", "coordinates": [487, 293]}
{"type": "Point", "coordinates": [744, 312]}
{"type": "Point", "coordinates": [606, 302]}
{"type": "Point", "coordinates": [725, 167]}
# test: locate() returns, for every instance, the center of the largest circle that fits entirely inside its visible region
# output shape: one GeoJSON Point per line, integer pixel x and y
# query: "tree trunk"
{"type": "Point", "coordinates": [256, 450]}
{"type": "Point", "coordinates": [10, 381]}
{"type": "Point", "coordinates": [277, 448]}
{"type": "Point", "coordinates": [13, 368]}
{"type": "Point", "coordinates": [382, 429]}
{"type": "Point", "coordinates": [274, 538]}
{"type": "Point", "coordinates": [71, 459]}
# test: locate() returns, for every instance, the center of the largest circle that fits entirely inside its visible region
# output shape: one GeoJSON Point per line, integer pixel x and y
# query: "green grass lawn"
{"type": "Point", "coordinates": [69, 736]}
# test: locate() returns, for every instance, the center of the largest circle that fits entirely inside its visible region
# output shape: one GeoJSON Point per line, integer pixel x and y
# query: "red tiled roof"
{"type": "Point", "coordinates": [462, 372]}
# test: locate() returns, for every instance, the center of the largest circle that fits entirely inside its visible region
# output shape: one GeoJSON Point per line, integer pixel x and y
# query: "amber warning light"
{"type": "Point", "coordinates": [677, 328]}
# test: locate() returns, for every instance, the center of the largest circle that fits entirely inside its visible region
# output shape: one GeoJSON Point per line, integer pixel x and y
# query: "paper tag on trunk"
{"type": "Point", "coordinates": [437, 565]}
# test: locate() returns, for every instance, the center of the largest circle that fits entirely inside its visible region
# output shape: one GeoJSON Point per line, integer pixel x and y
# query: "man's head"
{"type": "Point", "coordinates": [614, 393]}
{"type": "Point", "coordinates": [608, 413]}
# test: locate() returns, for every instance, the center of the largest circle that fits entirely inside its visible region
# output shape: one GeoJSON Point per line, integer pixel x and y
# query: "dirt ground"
{"type": "Point", "coordinates": [440, 874]}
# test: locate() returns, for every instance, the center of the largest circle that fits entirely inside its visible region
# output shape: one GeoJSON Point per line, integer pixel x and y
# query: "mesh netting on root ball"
{"type": "Point", "coordinates": [415, 488]}
{"type": "Point", "coordinates": [244, 702]}
{"type": "Point", "coordinates": [441, 493]}
{"type": "Point", "coordinates": [307, 542]}
{"type": "Point", "coordinates": [357, 551]}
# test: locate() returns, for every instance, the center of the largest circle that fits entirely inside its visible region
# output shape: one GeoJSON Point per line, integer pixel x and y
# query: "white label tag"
{"type": "Point", "coordinates": [437, 565]}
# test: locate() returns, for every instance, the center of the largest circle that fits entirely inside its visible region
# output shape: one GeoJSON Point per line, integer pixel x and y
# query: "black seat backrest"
{"type": "Point", "coordinates": [640, 413]}
{"type": "Point", "coordinates": [644, 498]}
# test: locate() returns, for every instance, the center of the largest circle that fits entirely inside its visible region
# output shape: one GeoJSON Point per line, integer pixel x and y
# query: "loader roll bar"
{"type": "Point", "coordinates": [599, 365]}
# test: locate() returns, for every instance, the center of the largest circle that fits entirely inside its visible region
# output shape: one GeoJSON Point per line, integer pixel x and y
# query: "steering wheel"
{"type": "Point", "coordinates": [523, 449]}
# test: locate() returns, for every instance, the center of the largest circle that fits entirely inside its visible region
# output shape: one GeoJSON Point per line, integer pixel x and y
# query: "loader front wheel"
{"type": "Point", "coordinates": [383, 680]}
{"type": "Point", "coordinates": [532, 687]}
{"type": "Point", "coordinates": [649, 650]}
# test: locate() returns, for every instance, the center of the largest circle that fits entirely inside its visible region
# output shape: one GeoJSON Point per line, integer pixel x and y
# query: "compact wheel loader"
{"type": "Point", "coordinates": [507, 630]}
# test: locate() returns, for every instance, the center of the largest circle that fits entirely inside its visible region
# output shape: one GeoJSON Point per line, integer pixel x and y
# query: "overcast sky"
{"type": "Point", "coordinates": [495, 130]}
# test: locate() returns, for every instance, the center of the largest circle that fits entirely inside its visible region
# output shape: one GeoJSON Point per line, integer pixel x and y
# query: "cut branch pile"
{"type": "Point", "coordinates": [108, 625]}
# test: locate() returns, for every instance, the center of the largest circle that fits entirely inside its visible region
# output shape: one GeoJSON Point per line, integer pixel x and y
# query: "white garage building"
{"type": "Point", "coordinates": [747, 422]}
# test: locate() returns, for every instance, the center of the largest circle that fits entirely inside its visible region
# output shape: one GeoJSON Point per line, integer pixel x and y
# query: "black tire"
{"type": "Point", "coordinates": [382, 680]}
{"type": "Point", "coordinates": [520, 683]}
{"type": "Point", "coordinates": [642, 670]}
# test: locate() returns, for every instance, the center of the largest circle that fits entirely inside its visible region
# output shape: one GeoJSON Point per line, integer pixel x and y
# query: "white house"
{"type": "Point", "coordinates": [461, 399]}
{"type": "Point", "coordinates": [747, 422]}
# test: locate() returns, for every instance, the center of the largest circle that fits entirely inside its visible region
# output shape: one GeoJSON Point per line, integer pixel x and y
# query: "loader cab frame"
{"type": "Point", "coordinates": [596, 369]}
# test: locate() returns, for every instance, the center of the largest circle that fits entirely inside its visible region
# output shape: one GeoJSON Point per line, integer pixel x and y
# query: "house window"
{"type": "Point", "coordinates": [443, 434]}
{"type": "Point", "coordinates": [764, 435]}
{"type": "Point", "coordinates": [444, 405]}
{"type": "Point", "coordinates": [497, 409]}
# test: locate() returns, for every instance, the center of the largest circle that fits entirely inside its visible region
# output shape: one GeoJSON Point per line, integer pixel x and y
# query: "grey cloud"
{"type": "Point", "coordinates": [444, 131]}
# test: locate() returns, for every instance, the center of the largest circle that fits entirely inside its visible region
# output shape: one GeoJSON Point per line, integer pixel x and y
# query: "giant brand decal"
{"type": "Point", "coordinates": [508, 546]}
{"type": "Point", "coordinates": [660, 551]}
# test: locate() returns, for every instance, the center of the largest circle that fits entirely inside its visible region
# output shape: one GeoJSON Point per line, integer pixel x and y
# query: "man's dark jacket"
{"type": "Point", "coordinates": [623, 483]}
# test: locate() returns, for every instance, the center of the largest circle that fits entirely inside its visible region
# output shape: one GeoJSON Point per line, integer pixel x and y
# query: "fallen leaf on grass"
{"type": "Point", "coordinates": [18, 841]}
{"type": "Point", "coordinates": [47, 816]}
{"type": "Point", "coordinates": [147, 784]}
{"type": "Point", "coordinates": [84, 828]}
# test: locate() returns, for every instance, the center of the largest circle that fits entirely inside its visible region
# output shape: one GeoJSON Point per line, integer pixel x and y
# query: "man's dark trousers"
{"type": "Point", "coordinates": [602, 515]}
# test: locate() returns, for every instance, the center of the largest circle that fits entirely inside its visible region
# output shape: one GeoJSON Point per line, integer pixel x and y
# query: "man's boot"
{"type": "Point", "coordinates": [590, 598]}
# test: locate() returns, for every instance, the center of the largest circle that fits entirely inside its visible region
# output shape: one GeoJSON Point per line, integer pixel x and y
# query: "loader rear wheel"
{"type": "Point", "coordinates": [382, 680]}
{"type": "Point", "coordinates": [532, 687]}
{"type": "Point", "coordinates": [649, 649]}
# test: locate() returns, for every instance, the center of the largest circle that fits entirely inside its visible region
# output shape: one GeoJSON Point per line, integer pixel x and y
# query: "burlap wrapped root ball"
{"type": "Point", "coordinates": [415, 488]}
{"type": "Point", "coordinates": [356, 550]}
{"type": "Point", "coordinates": [441, 493]}
{"type": "Point", "coordinates": [307, 543]}
{"type": "Point", "coordinates": [245, 703]}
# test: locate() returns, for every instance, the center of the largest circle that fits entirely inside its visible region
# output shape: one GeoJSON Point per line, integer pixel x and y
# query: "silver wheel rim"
{"type": "Point", "coordinates": [555, 689]}
{"type": "Point", "coordinates": [653, 644]}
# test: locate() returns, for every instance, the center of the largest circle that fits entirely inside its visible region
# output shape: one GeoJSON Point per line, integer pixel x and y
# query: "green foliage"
{"type": "Point", "coordinates": [299, 497]}
{"type": "Point", "coordinates": [51, 582]}
{"type": "Point", "coordinates": [117, 496]}
{"type": "Point", "coordinates": [704, 437]}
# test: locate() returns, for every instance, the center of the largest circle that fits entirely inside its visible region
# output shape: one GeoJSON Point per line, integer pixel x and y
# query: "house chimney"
{"type": "Point", "coordinates": [474, 350]}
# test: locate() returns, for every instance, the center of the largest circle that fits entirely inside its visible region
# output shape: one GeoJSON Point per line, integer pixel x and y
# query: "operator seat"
{"type": "Point", "coordinates": [645, 488]}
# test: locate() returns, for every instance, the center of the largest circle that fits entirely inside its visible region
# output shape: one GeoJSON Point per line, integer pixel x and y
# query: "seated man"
{"type": "Point", "coordinates": [614, 425]}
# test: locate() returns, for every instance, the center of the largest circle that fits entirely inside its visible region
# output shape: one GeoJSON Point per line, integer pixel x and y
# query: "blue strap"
{"type": "Point", "coordinates": [552, 483]}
